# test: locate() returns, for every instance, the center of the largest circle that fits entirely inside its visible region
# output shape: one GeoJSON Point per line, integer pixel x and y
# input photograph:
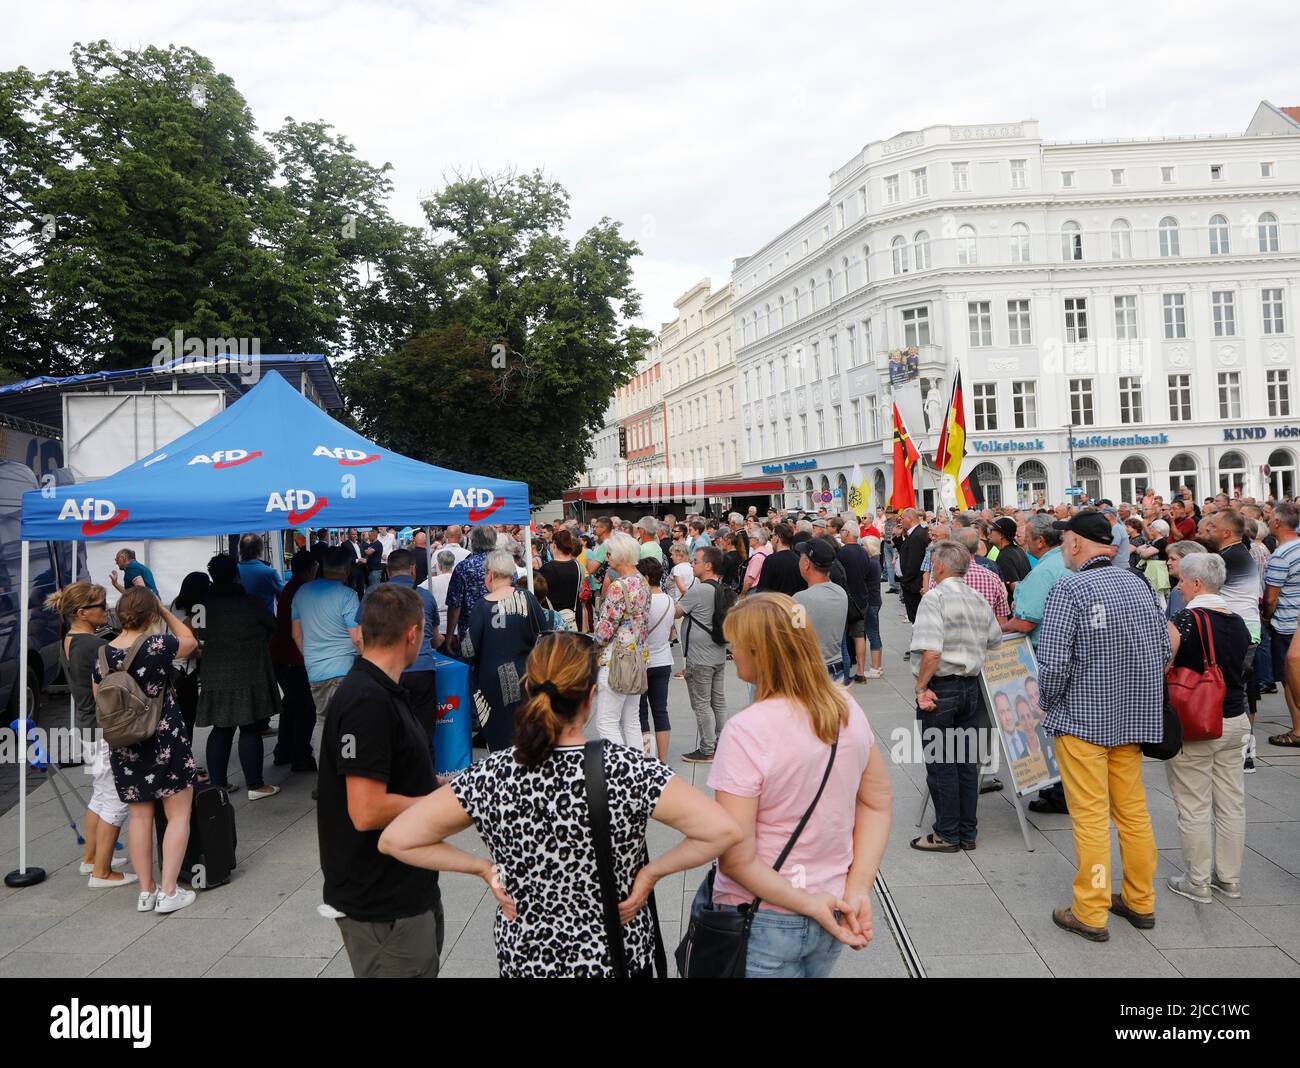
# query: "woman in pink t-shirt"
{"type": "Point", "coordinates": [770, 762]}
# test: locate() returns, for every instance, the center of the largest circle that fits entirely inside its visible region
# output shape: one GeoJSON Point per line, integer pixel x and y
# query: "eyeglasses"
{"type": "Point", "coordinates": [89, 607]}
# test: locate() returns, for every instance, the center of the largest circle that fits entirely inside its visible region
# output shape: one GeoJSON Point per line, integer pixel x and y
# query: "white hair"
{"type": "Point", "coordinates": [1206, 568]}
{"type": "Point", "coordinates": [499, 562]}
{"type": "Point", "coordinates": [622, 550]}
{"type": "Point", "coordinates": [1160, 527]}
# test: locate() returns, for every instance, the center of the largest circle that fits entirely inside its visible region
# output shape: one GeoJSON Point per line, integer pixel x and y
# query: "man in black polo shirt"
{"type": "Point", "coordinates": [780, 573]}
{"type": "Point", "coordinates": [1012, 563]}
{"type": "Point", "coordinates": [375, 764]}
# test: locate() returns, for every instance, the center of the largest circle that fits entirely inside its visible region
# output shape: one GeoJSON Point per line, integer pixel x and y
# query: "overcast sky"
{"type": "Point", "coordinates": [704, 128]}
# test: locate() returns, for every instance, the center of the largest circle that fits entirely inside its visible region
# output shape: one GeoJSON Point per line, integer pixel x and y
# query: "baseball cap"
{"type": "Point", "coordinates": [1091, 525]}
{"type": "Point", "coordinates": [1006, 526]}
{"type": "Point", "coordinates": [819, 552]}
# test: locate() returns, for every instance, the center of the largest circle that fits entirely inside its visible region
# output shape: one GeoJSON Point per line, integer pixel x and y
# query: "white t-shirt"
{"type": "Point", "coordinates": [661, 628]}
{"type": "Point", "coordinates": [440, 584]}
{"type": "Point", "coordinates": [389, 541]}
{"type": "Point", "coordinates": [686, 573]}
{"type": "Point", "coordinates": [459, 551]}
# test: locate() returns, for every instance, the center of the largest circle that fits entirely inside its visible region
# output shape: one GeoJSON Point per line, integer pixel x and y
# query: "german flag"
{"type": "Point", "coordinates": [951, 453]}
{"type": "Point", "coordinates": [905, 455]}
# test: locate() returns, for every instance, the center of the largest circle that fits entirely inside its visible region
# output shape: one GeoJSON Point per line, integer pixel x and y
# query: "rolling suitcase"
{"type": "Point", "coordinates": [210, 854]}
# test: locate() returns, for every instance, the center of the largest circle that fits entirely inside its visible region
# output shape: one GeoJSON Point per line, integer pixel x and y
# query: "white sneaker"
{"type": "Point", "coordinates": [257, 795]}
{"type": "Point", "coordinates": [176, 901]}
{"type": "Point", "coordinates": [118, 864]}
{"type": "Point", "coordinates": [148, 900]}
{"type": "Point", "coordinates": [97, 883]}
{"type": "Point", "coordinates": [875, 673]}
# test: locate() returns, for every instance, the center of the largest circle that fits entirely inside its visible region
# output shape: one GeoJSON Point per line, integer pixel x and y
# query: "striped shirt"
{"type": "Point", "coordinates": [957, 623]}
{"type": "Point", "coordinates": [1102, 650]}
{"type": "Point", "coordinates": [989, 586]}
{"type": "Point", "coordinates": [1284, 572]}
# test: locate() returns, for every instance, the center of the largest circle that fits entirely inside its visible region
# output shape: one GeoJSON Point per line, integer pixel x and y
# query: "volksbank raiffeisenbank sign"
{"type": "Point", "coordinates": [1095, 441]}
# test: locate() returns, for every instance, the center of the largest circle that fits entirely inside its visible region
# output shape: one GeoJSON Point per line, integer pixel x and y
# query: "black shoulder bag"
{"type": "Point", "coordinates": [717, 940]}
{"type": "Point", "coordinates": [593, 767]}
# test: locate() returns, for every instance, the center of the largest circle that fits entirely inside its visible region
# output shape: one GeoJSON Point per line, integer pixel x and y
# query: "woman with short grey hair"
{"type": "Point", "coordinates": [503, 628]}
{"type": "Point", "coordinates": [623, 621]}
{"type": "Point", "coordinates": [1206, 778]}
{"type": "Point", "coordinates": [444, 563]}
{"type": "Point", "coordinates": [1175, 553]}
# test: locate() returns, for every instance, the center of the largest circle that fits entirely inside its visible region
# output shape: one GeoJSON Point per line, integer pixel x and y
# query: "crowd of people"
{"type": "Point", "coordinates": [343, 653]}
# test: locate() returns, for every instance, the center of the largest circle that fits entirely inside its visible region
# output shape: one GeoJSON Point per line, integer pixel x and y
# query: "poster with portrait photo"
{"type": "Point", "coordinates": [1010, 684]}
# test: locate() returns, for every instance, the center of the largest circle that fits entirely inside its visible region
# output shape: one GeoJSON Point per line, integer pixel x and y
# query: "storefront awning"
{"type": "Point", "coordinates": [664, 492]}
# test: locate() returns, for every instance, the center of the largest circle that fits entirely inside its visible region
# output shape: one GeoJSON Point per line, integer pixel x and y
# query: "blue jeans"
{"type": "Point", "coordinates": [872, 623]}
{"type": "Point", "coordinates": [953, 781]}
{"type": "Point", "coordinates": [783, 945]}
{"type": "Point", "coordinates": [890, 554]}
{"type": "Point", "coordinates": [1264, 659]}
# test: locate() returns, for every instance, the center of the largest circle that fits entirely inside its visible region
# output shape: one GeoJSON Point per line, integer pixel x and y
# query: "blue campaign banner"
{"type": "Point", "coordinates": [452, 729]}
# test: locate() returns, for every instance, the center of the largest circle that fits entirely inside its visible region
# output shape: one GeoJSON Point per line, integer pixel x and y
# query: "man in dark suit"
{"type": "Point", "coordinates": [912, 541]}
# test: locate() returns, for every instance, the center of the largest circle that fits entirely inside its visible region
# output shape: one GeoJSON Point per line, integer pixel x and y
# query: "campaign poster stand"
{"type": "Point", "coordinates": [1009, 686]}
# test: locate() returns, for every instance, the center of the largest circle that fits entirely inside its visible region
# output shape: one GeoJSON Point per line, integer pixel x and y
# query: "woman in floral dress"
{"type": "Point", "coordinates": [160, 768]}
{"type": "Point", "coordinates": [623, 619]}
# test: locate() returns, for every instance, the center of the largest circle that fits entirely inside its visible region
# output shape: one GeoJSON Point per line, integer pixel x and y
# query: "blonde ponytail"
{"type": "Point", "coordinates": [561, 672]}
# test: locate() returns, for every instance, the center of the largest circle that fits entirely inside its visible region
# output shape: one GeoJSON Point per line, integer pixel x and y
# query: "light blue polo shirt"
{"type": "Point", "coordinates": [326, 609]}
{"type": "Point", "coordinates": [1283, 571]}
{"type": "Point", "coordinates": [1032, 590]}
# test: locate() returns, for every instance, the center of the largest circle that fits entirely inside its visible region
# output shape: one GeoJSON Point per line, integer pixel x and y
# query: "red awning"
{"type": "Point", "coordinates": [674, 491]}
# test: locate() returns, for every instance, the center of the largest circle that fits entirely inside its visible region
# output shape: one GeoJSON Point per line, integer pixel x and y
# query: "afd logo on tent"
{"type": "Point", "coordinates": [96, 515]}
{"type": "Point", "coordinates": [480, 502]}
{"type": "Point", "coordinates": [346, 457]}
{"type": "Point", "coordinates": [223, 458]}
{"type": "Point", "coordinates": [301, 504]}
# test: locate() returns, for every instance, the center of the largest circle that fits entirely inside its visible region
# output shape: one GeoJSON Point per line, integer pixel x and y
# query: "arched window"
{"type": "Point", "coordinates": [986, 481]}
{"type": "Point", "coordinates": [1268, 235]}
{"type": "Point", "coordinates": [767, 319]}
{"type": "Point", "coordinates": [1169, 242]}
{"type": "Point", "coordinates": [841, 493]}
{"type": "Point", "coordinates": [796, 302]}
{"type": "Point", "coordinates": [1019, 243]}
{"type": "Point", "coordinates": [921, 250]}
{"type": "Point", "coordinates": [866, 264]}
{"type": "Point", "coordinates": [1031, 484]}
{"type": "Point", "coordinates": [1087, 476]}
{"type": "Point", "coordinates": [1182, 472]}
{"type": "Point", "coordinates": [1134, 478]}
{"type": "Point", "coordinates": [967, 250]}
{"type": "Point", "coordinates": [780, 303]}
{"type": "Point", "coordinates": [1121, 240]}
{"type": "Point", "coordinates": [830, 285]}
{"type": "Point", "coordinates": [812, 294]}
{"type": "Point", "coordinates": [1071, 242]}
{"type": "Point", "coordinates": [879, 501]}
{"type": "Point", "coordinates": [1218, 235]}
{"type": "Point", "coordinates": [899, 255]}
{"type": "Point", "coordinates": [1281, 477]}
{"type": "Point", "coordinates": [844, 270]}
{"type": "Point", "coordinates": [1232, 472]}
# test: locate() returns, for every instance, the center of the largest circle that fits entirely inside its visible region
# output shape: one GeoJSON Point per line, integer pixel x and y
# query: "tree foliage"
{"type": "Point", "coordinates": [138, 199]}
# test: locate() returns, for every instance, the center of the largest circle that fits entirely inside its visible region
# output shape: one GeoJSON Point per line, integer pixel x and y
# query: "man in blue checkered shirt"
{"type": "Point", "coordinates": [1102, 651]}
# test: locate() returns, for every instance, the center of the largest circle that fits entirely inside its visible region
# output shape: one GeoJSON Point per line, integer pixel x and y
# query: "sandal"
{"type": "Point", "coordinates": [1286, 740]}
{"type": "Point", "coordinates": [930, 844]}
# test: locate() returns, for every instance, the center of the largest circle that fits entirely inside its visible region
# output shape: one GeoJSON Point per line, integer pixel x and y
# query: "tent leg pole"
{"type": "Point", "coordinates": [528, 553]}
{"type": "Point", "coordinates": [428, 556]}
{"type": "Point", "coordinates": [72, 701]}
{"type": "Point", "coordinates": [23, 876]}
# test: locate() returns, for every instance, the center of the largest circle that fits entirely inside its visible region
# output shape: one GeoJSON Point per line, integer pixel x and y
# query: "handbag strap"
{"type": "Point", "coordinates": [593, 767]}
{"type": "Point", "coordinates": [1206, 633]}
{"type": "Point", "coordinates": [577, 590]}
{"type": "Point", "coordinates": [804, 821]}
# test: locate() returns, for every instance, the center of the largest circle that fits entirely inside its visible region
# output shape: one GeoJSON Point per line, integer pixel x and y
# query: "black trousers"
{"type": "Point", "coordinates": [911, 601]}
{"type": "Point", "coordinates": [297, 714]}
{"type": "Point", "coordinates": [952, 755]}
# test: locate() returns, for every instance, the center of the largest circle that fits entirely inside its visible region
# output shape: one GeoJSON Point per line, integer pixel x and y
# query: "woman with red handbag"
{"type": "Point", "coordinates": [1206, 686]}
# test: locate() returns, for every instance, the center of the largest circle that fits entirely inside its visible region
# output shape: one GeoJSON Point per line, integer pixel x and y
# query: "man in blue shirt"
{"type": "Point", "coordinates": [418, 679]}
{"type": "Point", "coordinates": [325, 627]}
{"type": "Point", "coordinates": [257, 576]}
{"type": "Point", "coordinates": [134, 572]}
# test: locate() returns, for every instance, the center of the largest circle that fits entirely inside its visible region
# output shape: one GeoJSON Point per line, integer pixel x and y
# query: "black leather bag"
{"type": "Point", "coordinates": [717, 940]}
{"type": "Point", "coordinates": [1171, 740]}
{"type": "Point", "coordinates": [593, 767]}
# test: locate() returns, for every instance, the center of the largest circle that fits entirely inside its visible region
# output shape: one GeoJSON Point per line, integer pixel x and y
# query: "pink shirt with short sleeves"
{"type": "Point", "coordinates": [769, 751]}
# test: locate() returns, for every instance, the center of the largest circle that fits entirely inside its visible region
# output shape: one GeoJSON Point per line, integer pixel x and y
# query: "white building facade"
{"type": "Point", "coordinates": [1126, 306]}
{"type": "Point", "coordinates": [701, 394]}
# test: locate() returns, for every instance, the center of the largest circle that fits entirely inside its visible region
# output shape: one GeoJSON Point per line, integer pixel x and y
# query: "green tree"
{"type": "Point", "coordinates": [527, 340]}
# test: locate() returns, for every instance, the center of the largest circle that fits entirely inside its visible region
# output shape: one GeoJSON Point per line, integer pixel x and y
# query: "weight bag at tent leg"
{"type": "Point", "coordinates": [452, 751]}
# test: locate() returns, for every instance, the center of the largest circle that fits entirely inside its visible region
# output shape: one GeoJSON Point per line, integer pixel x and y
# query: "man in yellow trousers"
{"type": "Point", "coordinates": [1102, 651]}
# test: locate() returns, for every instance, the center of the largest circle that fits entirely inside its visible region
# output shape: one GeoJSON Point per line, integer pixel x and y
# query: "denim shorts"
{"type": "Point", "coordinates": [785, 945]}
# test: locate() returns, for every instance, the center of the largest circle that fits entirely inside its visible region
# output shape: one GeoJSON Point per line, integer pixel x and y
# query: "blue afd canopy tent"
{"type": "Point", "coordinates": [270, 461]}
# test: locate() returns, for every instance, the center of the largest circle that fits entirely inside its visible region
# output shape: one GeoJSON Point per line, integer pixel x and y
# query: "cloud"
{"type": "Point", "coordinates": [704, 129]}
